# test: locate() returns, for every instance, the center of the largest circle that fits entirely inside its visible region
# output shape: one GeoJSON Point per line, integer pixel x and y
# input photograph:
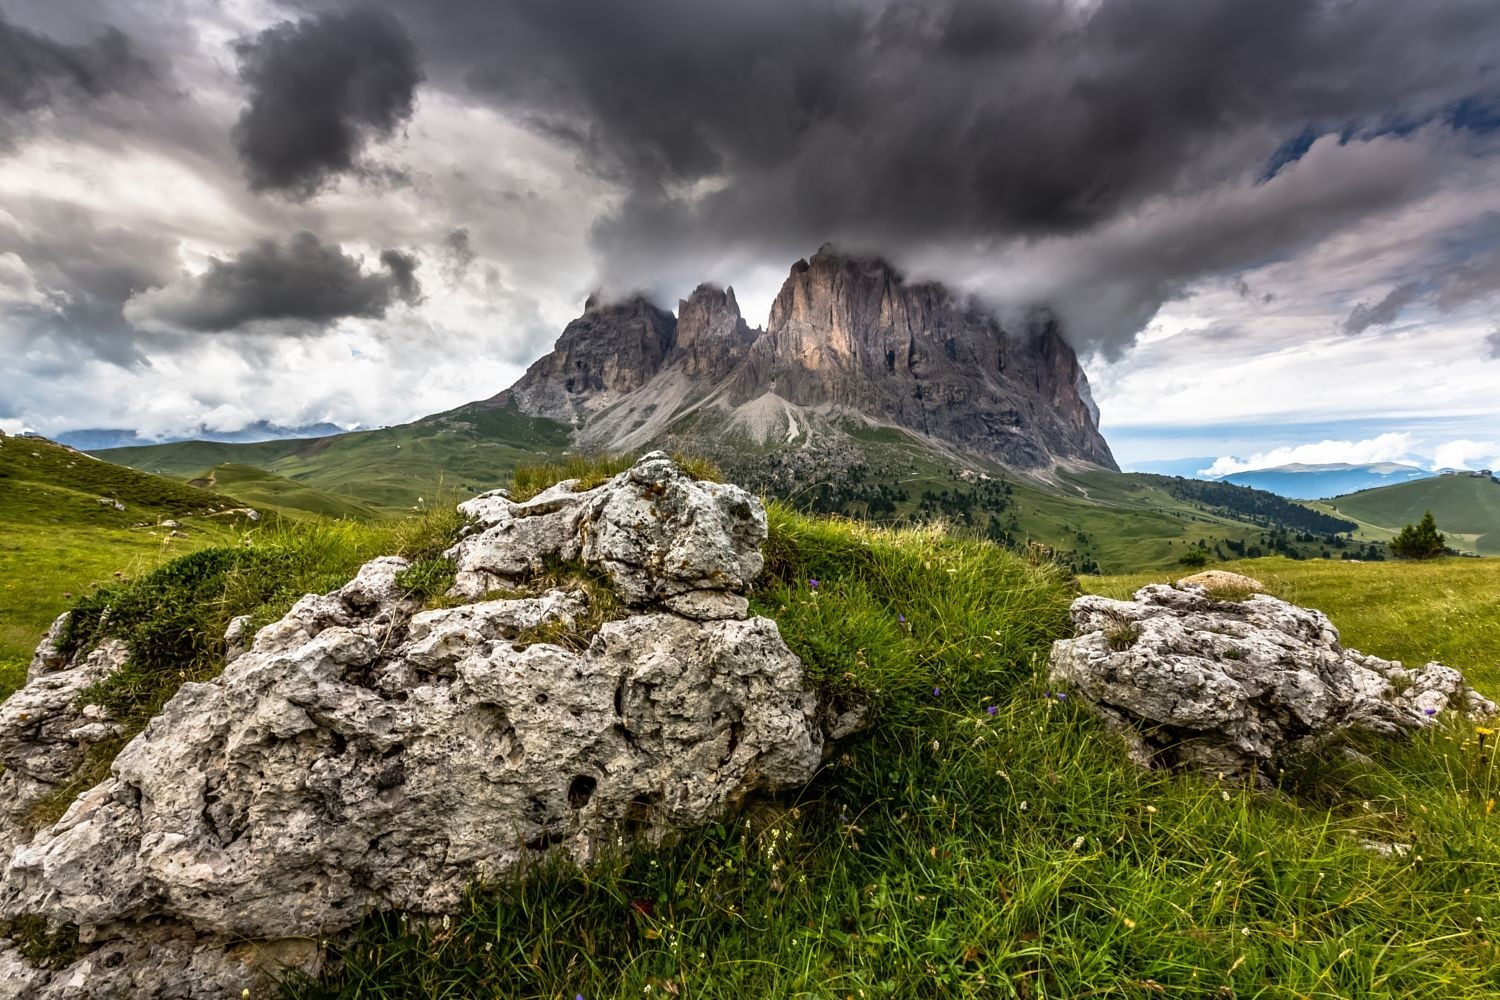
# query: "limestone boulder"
{"type": "Point", "coordinates": [1237, 687]}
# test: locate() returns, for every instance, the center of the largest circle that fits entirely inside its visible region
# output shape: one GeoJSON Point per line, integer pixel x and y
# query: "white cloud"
{"type": "Point", "coordinates": [1466, 454]}
{"type": "Point", "coordinates": [1394, 447]}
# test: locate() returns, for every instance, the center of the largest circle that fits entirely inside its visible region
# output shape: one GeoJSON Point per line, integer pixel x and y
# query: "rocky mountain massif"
{"type": "Point", "coordinates": [849, 344]}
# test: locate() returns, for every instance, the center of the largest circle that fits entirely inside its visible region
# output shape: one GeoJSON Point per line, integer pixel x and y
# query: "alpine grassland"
{"type": "Point", "coordinates": [984, 836]}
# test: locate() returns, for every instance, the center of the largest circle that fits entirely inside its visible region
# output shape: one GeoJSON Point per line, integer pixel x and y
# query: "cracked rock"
{"type": "Point", "coordinates": [1237, 687]}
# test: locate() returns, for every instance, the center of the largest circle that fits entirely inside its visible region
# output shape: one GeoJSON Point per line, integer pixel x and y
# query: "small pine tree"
{"type": "Point", "coordinates": [1419, 541]}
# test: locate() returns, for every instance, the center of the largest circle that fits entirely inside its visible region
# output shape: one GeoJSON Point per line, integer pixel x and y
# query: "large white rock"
{"type": "Point", "coordinates": [1234, 687]}
{"type": "Point", "coordinates": [362, 753]}
{"type": "Point", "coordinates": [657, 533]}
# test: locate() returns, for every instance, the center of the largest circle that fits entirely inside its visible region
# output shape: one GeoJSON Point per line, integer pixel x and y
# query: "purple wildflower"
{"type": "Point", "coordinates": [992, 709]}
{"type": "Point", "coordinates": [1061, 696]}
{"type": "Point", "coordinates": [936, 692]}
{"type": "Point", "coordinates": [901, 619]}
{"type": "Point", "coordinates": [1047, 695]}
{"type": "Point", "coordinates": [813, 584]}
{"type": "Point", "coordinates": [1430, 711]}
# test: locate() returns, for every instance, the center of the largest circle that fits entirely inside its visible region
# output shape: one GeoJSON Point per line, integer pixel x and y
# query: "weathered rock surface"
{"type": "Point", "coordinates": [1218, 579]}
{"type": "Point", "coordinates": [46, 731]}
{"type": "Point", "coordinates": [1236, 687]}
{"type": "Point", "coordinates": [362, 753]}
{"type": "Point", "coordinates": [655, 532]}
{"type": "Point", "coordinates": [850, 332]}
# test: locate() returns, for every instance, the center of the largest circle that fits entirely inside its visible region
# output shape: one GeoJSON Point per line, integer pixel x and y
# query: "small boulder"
{"type": "Point", "coordinates": [1236, 687]}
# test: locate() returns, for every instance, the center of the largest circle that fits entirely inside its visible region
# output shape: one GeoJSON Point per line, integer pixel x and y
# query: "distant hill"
{"type": "Point", "coordinates": [45, 483]}
{"type": "Point", "coordinates": [1317, 482]}
{"type": "Point", "coordinates": [1466, 507]}
{"type": "Point", "coordinates": [266, 489]}
{"type": "Point", "coordinates": [98, 438]}
{"type": "Point", "coordinates": [465, 450]}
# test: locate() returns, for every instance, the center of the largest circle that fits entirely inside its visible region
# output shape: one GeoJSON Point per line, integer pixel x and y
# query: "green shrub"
{"type": "Point", "coordinates": [1419, 541]}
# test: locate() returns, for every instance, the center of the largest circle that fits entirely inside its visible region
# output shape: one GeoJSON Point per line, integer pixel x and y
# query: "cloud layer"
{"type": "Point", "coordinates": [1281, 211]}
{"type": "Point", "coordinates": [304, 283]}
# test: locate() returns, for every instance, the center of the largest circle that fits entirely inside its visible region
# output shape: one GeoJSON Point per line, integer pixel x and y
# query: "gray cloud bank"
{"type": "Point", "coordinates": [306, 283]}
{"type": "Point", "coordinates": [762, 129]}
{"type": "Point", "coordinates": [321, 90]}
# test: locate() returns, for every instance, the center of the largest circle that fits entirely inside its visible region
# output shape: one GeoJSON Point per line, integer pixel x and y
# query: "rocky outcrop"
{"type": "Point", "coordinates": [712, 336]}
{"type": "Point", "coordinates": [852, 333]}
{"type": "Point", "coordinates": [48, 727]}
{"type": "Point", "coordinates": [364, 753]}
{"type": "Point", "coordinates": [848, 339]}
{"type": "Point", "coordinates": [1236, 687]}
{"type": "Point", "coordinates": [608, 352]}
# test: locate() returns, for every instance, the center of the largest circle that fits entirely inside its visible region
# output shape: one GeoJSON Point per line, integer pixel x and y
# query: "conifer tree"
{"type": "Point", "coordinates": [1419, 541]}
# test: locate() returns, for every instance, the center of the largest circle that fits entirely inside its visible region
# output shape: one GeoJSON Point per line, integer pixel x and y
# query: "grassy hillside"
{"type": "Point", "coordinates": [467, 450]}
{"type": "Point", "coordinates": [258, 487]}
{"type": "Point", "coordinates": [989, 839]}
{"type": "Point", "coordinates": [983, 839]}
{"type": "Point", "coordinates": [1466, 508]}
{"type": "Point", "coordinates": [1440, 609]}
{"type": "Point", "coordinates": [56, 538]}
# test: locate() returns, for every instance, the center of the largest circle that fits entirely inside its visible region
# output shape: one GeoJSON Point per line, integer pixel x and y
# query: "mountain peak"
{"type": "Point", "coordinates": [847, 335]}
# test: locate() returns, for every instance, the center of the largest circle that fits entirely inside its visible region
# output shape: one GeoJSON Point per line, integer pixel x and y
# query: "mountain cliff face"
{"type": "Point", "coordinates": [848, 340]}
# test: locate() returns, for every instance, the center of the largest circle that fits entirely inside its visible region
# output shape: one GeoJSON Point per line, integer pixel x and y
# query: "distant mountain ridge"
{"type": "Point", "coordinates": [849, 343]}
{"type": "Point", "coordinates": [1301, 481]}
{"type": "Point", "coordinates": [99, 438]}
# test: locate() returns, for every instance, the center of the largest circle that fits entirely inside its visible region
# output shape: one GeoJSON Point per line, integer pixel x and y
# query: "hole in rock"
{"type": "Point", "coordinates": [541, 697]}
{"type": "Point", "coordinates": [580, 790]}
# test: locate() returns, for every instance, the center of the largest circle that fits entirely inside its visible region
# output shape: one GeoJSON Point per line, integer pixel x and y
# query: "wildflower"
{"type": "Point", "coordinates": [1429, 712]}
{"type": "Point", "coordinates": [993, 709]}
{"type": "Point", "coordinates": [1151, 809]}
{"type": "Point", "coordinates": [1062, 696]}
{"type": "Point", "coordinates": [1024, 806]}
{"type": "Point", "coordinates": [813, 584]}
{"type": "Point", "coordinates": [901, 619]}
{"type": "Point", "coordinates": [936, 692]}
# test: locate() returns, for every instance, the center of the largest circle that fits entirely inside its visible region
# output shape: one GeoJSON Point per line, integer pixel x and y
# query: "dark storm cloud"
{"type": "Point", "coordinates": [460, 255]}
{"type": "Point", "coordinates": [1364, 316]}
{"type": "Point", "coordinates": [947, 116]}
{"type": "Point", "coordinates": [37, 72]}
{"type": "Point", "coordinates": [321, 90]}
{"type": "Point", "coordinates": [306, 283]}
{"type": "Point", "coordinates": [762, 129]}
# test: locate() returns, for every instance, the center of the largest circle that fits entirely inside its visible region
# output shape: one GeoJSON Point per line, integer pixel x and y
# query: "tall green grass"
{"type": "Point", "coordinates": [987, 838]}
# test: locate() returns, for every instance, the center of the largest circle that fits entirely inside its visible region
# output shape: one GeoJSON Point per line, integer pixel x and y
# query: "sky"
{"type": "Point", "coordinates": [1271, 230]}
